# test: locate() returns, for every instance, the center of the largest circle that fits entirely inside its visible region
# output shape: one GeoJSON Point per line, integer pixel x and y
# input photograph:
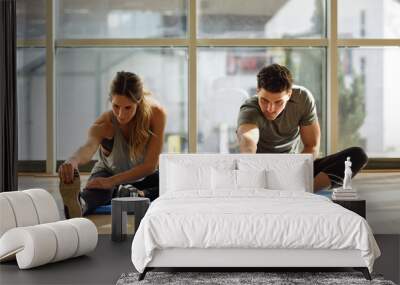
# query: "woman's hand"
{"type": "Point", "coordinates": [100, 183]}
{"type": "Point", "coordinates": [66, 171]}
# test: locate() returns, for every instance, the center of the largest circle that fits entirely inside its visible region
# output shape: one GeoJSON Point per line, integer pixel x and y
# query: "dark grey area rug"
{"type": "Point", "coordinates": [228, 278]}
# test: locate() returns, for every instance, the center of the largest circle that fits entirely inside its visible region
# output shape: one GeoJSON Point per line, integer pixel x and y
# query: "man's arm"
{"type": "Point", "coordinates": [311, 136]}
{"type": "Point", "coordinates": [248, 136]}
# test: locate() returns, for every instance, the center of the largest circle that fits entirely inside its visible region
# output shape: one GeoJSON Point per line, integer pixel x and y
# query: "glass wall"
{"type": "Point", "coordinates": [31, 19]}
{"type": "Point", "coordinates": [31, 92]}
{"type": "Point", "coordinates": [31, 80]}
{"type": "Point", "coordinates": [367, 77]}
{"type": "Point", "coordinates": [261, 19]}
{"type": "Point", "coordinates": [79, 19]}
{"type": "Point", "coordinates": [83, 82]}
{"type": "Point", "coordinates": [232, 41]}
{"type": "Point", "coordinates": [369, 19]}
{"type": "Point", "coordinates": [232, 79]}
{"type": "Point", "coordinates": [369, 100]}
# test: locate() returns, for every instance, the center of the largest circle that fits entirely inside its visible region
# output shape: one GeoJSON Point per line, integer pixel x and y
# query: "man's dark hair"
{"type": "Point", "coordinates": [275, 78]}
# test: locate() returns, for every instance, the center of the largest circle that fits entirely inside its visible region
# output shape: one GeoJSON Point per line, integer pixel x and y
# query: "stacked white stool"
{"type": "Point", "coordinates": [31, 230]}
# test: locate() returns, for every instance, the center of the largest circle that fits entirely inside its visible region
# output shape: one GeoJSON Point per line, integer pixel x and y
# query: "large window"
{"type": "Point", "coordinates": [31, 19]}
{"type": "Point", "coordinates": [232, 79]}
{"type": "Point", "coordinates": [200, 58]}
{"type": "Point", "coordinates": [367, 76]}
{"type": "Point", "coordinates": [31, 80]}
{"type": "Point", "coordinates": [369, 100]}
{"type": "Point", "coordinates": [31, 84]}
{"type": "Point", "coordinates": [261, 19]}
{"type": "Point", "coordinates": [121, 19]}
{"type": "Point", "coordinates": [83, 82]}
{"type": "Point", "coordinates": [369, 19]}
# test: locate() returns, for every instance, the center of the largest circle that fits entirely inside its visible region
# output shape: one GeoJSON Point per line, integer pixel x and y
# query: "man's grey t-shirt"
{"type": "Point", "coordinates": [281, 135]}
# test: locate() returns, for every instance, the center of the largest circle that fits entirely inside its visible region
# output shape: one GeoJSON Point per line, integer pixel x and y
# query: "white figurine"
{"type": "Point", "coordinates": [347, 174]}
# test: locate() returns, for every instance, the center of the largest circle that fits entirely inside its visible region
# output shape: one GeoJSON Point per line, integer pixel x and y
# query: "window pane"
{"type": "Point", "coordinates": [83, 81]}
{"type": "Point", "coordinates": [369, 19]}
{"type": "Point", "coordinates": [121, 19]}
{"type": "Point", "coordinates": [31, 92]}
{"type": "Point", "coordinates": [232, 79]}
{"type": "Point", "coordinates": [31, 19]}
{"type": "Point", "coordinates": [261, 19]}
{"type": "Point", "coordinates": [369, 100]}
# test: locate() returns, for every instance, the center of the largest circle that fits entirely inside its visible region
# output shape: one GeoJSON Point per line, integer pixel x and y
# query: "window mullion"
{"type": "Point", "coordinates": [192, 77]}
{"type": "Point", "coordinates": [50, 89]}
{"type": "Point", "coordinates": [333, 90]}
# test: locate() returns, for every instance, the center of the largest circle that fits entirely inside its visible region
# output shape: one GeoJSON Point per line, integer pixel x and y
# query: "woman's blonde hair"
{"type": "Point", "coordinates": [130, 85]}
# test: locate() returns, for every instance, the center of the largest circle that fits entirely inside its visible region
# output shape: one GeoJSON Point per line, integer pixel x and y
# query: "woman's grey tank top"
{"type": "Point", "coordinates": [119, 159]}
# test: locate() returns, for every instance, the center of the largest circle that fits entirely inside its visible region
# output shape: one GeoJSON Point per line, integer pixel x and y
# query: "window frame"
{"type": "Point", "coordinates": [331, 42]}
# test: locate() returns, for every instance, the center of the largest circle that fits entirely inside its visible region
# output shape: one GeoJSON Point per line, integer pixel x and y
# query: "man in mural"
{"type": "Point", "coordinates": [281, 118]}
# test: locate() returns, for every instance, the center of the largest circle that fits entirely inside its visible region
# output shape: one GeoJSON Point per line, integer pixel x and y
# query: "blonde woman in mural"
{"type": "Point", "coordinates": [129, 139]}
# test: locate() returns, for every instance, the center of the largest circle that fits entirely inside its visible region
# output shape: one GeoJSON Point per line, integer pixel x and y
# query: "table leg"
{"type": "Point", "coordinates": [116, 222]}
{"type": "Point", "coordinates": [124, 223]}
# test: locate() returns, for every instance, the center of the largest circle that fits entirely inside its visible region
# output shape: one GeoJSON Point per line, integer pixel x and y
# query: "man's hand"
{"type": "Point", "coordinates": [248, 136]}
{"type": "Point", "coordinates": [100, 183]}
{"type": "Point", "coordinates": [66, 171]}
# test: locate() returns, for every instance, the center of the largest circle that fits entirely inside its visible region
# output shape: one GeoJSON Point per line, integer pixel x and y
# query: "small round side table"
{"type": "Point", "coordinates": [120, 207]}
